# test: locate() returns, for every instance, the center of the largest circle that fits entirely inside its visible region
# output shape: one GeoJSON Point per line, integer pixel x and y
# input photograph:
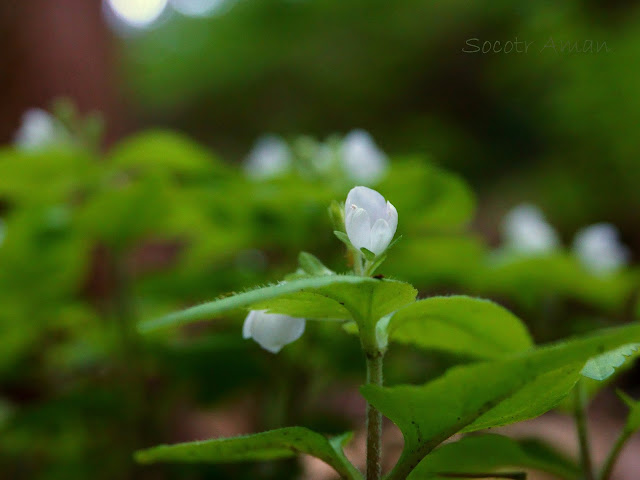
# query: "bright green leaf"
{"type": "Point", "coordinates": [460, 324]}
{"type": "Point", "coordinates": [326, 297]}
{"type": "Point", "coordinates": [271, 445]}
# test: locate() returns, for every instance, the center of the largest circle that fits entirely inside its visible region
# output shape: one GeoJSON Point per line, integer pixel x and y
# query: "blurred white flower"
{"type": "Point", "coordinates": [39, 129]}
{"type": "Point", "coordinates": [363, 161]}
{"type": "Point", "coordinates": [272, 331]}
{"type": "Point", "coordinates": [370, 220]}
{"type": "Point", "coordinates": [269, 158]}
{"type": "Point", "coordinates": [197, 8]}
{"type": "Point", "coordinates": [525, 230]}
{"type": "Point", "coordinates": [138, 14]}
{"type": "Point", "coordinates": [599, 249]}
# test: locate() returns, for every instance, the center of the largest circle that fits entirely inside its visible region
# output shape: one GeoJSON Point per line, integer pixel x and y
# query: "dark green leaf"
{"type": "Point", "coordinates": [271, 445]}
{"type": "Point", "coordinates": [484, 395]}
{"type": "Point", "coordinates": [488, 453]}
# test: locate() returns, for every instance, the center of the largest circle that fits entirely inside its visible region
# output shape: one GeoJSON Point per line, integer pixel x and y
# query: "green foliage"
{"type": "Point", "coordinates": [272, 445]}
{"type": "Point", "coordinates": [488, 394]}
{"type": "Point", "coordinates": [462, 325]}
{"type": "Point", "coordinates": [488, 453]}
{"type": "Point", "coordinates": [603, 366]}
{"type": "Point", "coordinates": [334, 297]}
{"type": "Point", "coordinates": [443, 201]}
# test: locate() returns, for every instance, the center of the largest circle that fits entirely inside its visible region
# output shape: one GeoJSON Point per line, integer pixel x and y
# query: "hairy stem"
{"type": "Point", "coordinates": [614, 454]}
{"type": "Point", "coordinates": [580, 400]}
{"type": "Point", "coordinates": [374, 419]}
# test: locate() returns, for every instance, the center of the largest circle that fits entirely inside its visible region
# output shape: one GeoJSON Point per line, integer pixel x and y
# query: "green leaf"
{"type": "Point", "coordinates": [368, 254]}
{"type": "Point", "coordinates": [341, 297]}
{"type": "Point", "coordinates": [343, 238]}
{"type": "Point", "coordinates": [438, 201]}
{"type": "Point", "coordinates": [460, 324]}
{"type": "Point", "coordinates": [160, 151]}
{"type": "Point", "coordinates": [488, 453]}
{"type": "Point", "coordinates": [312, 265]}
{"type": "Point", "coordinates": [603, 366]}
{"type": "Point", "coordinates": [489, 394]}
{"type": "Point", "coordinates": [271, 445]}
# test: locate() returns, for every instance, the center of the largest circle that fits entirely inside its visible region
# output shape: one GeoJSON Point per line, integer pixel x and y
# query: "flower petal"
{"type": "Point", "coordinates": [246, 328]}
{"type": "Point", "coordinates": [369, 200]}
{"type": "Point", "coordinates": [274, 331]}
{"type": "Point", "coordinates": [358, 226]}
{"type": "Point", "coordinates": [381, 236]}
{"type": "Point", "coordinates": [392, 218]}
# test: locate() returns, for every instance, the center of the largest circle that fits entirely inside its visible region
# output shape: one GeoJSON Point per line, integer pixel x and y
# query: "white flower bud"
{"type": "Point", "coordinates": [525, 230]}
{"type": "Point", "coordinates": [363, 161]}
{"type": "Point", "coordinates": [370, 220]}
{"type": "Point", "coordinates": [269, 158]}
{"type": "Point", "coordinates": [38, 130]}
{"type": "Point", "coordinates": [272, 331]}
{"type": "Point", "coordinates": [599, 249]}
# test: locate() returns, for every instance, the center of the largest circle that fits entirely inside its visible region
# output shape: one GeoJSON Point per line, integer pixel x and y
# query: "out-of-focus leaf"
{"type": "Point", "coordinates": [439, 200]}
{"type": "Point", "coordinates": [428, 260]}
{"type": "Point", "coordinates": [163, 151]}
{"type": "Point", "coordinates": [45, 177]}
{"type": "Point", "coordinates": [271, 445]}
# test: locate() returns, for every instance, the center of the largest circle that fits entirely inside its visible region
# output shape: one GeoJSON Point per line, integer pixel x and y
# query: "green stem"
{"type": "Point", "coordinates": [614, 454]}
{"type": "Point", "coordinates": [358, 263]}
{"type": "Point", "coordinates": [374, 419]}
{"type": "Point", "coordinates": [580, 400]}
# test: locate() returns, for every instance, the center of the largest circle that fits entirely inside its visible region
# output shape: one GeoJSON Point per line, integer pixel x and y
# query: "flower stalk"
{"type": "Point", "coordinates": [580, 401]}
{"type": "Point", "coordinates": [374, 419]}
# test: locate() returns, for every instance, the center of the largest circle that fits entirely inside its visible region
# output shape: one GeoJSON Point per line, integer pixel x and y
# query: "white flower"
{"type": "Point", "coordinates": [370, 220]}
{"type": "Point", "coordinates": [526, 230]}
{"type": "Point", "coordinates": [599, 249]}
{"type": "Point", "coordinates": [363, 161]}
{"type": "Point", "coordinates": [272, 331]}
{"type": "Point", "coordinates": [38, 130]}
{"type": "Point", "coordinates": [269, 158]}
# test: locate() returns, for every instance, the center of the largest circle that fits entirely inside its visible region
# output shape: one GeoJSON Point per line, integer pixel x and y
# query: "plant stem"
{"type": "Point", "coordinates": [358, 263]}
{"type": "Point", "coordinates": [614, 453]}
{"type": "Point", "coordinates": [374, 419]}
{"type": "Point", "coordinates": [580, 400]}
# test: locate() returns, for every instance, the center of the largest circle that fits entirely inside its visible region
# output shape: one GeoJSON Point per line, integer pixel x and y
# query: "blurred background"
{"type": "Point", "coordinates": [136, 195]}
